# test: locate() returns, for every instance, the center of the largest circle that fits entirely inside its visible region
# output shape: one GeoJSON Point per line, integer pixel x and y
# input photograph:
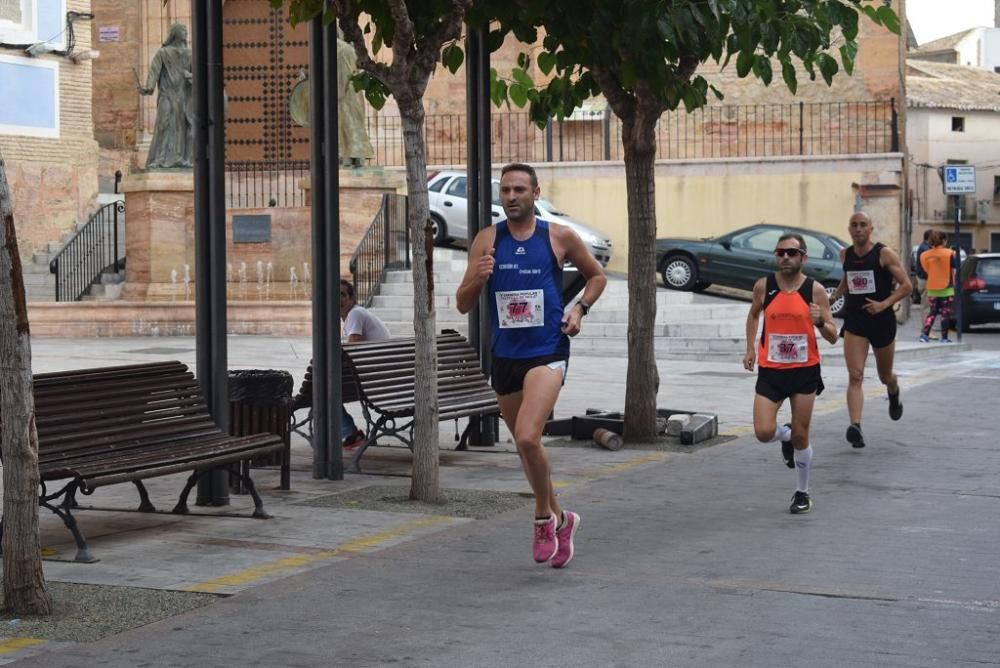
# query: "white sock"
{"type": "Point", "coordinates": [782, 433]}
{"type": "Point", "coordinates": [803, 466]}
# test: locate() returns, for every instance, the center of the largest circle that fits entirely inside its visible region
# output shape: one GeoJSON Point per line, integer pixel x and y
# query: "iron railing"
{"type": "Point", "coordinates": [727, 131]}
{"type": "Point", "coordinates": [385, 246]}
{"type": "Point", "coordinates": [254, 184]}
{"type": "Point", "coordinates": [95, 248]}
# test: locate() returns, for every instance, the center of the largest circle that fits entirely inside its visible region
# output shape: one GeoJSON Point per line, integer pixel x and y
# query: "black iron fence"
{"type": "Point", "coordinates": [260, 184]}
{"type": "Point", "coordinates": [730, 131]}
{"type": "Point", "coordinates": [97, 247]}
{"type": "Point", "coordinates": [385, 246]}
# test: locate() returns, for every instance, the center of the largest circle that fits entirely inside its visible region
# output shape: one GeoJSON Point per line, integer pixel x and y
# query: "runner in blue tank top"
{"type": "Point", "coordinates": [520, 261]}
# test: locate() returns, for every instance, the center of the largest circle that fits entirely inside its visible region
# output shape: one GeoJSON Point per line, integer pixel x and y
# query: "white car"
{"type": "Point", "coordinates": [449, 211]}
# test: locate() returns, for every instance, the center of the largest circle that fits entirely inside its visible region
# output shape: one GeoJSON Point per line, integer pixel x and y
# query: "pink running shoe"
{"type": "Point", "coordinates": [565, 535]}
{"type": "Point", "coordinates": [546, 543]}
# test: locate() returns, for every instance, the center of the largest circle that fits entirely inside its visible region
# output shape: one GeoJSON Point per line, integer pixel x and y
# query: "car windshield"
{"type": "Point", "coordinates": [551, 208]}
{"type": "Point", "coordinates": [989, 270]}
{"type": "Point", "coordinates": [839, 243]}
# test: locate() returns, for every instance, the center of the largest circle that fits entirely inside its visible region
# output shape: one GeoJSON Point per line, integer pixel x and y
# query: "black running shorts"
{"type": "Point", "coordinates": [779, 384]}
{"type": "Point", "coordinates": [508, 374]}
{"type": "Point", "coordinates": [880, 330]}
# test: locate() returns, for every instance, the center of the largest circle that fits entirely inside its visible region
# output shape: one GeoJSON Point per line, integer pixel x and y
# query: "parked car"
{"type": "Point", "coordinates": [449, 210]}
{"type": "Point", "coordinates": [980, 290]}
{"type": "Point", "coordinates": [739, 258]}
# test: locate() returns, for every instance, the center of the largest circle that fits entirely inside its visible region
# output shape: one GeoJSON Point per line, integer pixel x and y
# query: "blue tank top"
{"type": "Point", "coordinates": [525, 294]}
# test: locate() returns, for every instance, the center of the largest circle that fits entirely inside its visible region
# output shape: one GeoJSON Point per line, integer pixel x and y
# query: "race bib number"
{"type": "Point", "coordinates": [861, 282]}
{"type": "Point", "coordinates": [521, 308]}
{"type": "Point", "coordinates": [787, 348]}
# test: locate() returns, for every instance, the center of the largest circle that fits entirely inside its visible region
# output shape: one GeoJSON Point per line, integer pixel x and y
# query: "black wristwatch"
{"type": "Point", "coordinates": [584, 308]}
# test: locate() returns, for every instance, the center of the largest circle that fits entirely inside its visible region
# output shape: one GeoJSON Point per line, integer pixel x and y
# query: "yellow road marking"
{"type": "Point", "coordinates": [620, 467]}
{"type": "Point", "coordinates": [13, 644]}
{"type": "Point", "coordinates": [279, 566]}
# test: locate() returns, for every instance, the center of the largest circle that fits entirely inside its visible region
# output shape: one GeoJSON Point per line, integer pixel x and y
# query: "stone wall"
{"type": "Point", "coordinates": [54, 181]}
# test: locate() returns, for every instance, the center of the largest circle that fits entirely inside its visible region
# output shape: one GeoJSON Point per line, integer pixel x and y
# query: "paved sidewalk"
{"type": "Point", "coordinates": [685, 558]}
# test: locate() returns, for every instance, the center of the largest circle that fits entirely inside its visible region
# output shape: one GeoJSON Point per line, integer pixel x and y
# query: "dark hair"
{"type": "Point", "coordinates": [346, 285]}
{"type": "Point", "coordinates": [938, 238]}
{"type": "Point", "coordinates": [521, 167]}
{"type": "Point", "coordinates": [794, 235]}
{"type": "Point", "coordinates": [927, 234]}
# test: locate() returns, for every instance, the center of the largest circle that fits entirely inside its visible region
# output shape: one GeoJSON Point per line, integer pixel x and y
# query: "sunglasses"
{"type": "Point", "coordinates": [788, 252]}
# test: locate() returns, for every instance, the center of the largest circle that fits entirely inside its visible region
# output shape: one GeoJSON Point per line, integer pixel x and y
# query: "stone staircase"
{"type": "Point", "coordinates": [686, 324]}
{"type": "Point", "coordinates": [40, 283]}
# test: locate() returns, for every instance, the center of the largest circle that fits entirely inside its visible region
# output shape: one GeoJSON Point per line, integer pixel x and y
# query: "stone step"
{"type": "Point", "coordinates": [38, 279]}
{"type": "Point", "coordinates": [400, 310]}
{"type": "Point", "coordinates": [31, 268]}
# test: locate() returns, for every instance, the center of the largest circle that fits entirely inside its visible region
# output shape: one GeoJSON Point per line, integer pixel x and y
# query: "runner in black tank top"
{"type": "Point", "coordinates": [874, 280]}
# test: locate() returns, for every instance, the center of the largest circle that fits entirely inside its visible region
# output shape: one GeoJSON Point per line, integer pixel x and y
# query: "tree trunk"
{"type": "Point", "coordinates": [424, 485]}
{"type": "Point", "coordinates": [24, 590]}
{"type": "Point", "coordinates": [643, 380]}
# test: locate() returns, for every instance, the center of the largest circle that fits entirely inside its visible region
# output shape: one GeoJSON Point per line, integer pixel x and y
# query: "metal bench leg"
{"type": "Point", "coordinates": [258, 509]}
{"type": "Point", "coordinates": [145, 505]}
{"type": "Point", "coordinates": [83, 554]}
{"type": "Point", "coordinates": [182, 507]}
{"type": "Point", "coordinates": [372, 439]}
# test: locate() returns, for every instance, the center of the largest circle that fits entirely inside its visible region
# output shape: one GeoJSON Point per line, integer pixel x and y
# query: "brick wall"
{"type": "Point", "coordinates": [54, 181]}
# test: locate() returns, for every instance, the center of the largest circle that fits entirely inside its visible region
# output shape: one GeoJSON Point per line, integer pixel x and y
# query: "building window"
{"type": "Point", "coordinates": [958, 123]}
{"type": "Point", "coordinates": [34, 82]}
{"type": "Point", "coordinates": [18, 20]}
{"type": "Point", "coordinates": [996, 189]}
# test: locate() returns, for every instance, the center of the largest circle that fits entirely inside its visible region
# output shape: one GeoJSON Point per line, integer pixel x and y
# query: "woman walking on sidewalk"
{"type": "Point", "coordinates": [939, 263]}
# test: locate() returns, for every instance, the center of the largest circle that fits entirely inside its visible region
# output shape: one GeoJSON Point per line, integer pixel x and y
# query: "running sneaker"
{"type": "Point", "coordinates": [564, 554]}
{"type": "Point", "coordinates": [855, 437]}
{"type": "Point", "coordinates": [354, 440]}
{"type": "Point", "coordinates": [787, 451]}
{"type": "Point", "coordinates": [801, 504]}
{"type": "Point", "coordinates": [546, 542]}
{"type": "Point", "coordinates": [946, 340]}
{"type": "Point", "coordinates": [895, 406]}
{"type": "Point", "coordinates": [924, 339]}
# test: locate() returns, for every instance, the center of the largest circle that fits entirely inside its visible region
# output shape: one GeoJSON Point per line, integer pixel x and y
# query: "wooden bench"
{"type": "Point", "coordinates": [110, 425]}
{"type": "Point", "coordinates": [380, 375]}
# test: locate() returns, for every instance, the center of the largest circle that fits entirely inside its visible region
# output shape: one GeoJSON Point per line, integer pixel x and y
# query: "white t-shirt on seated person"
{"type": "Point", "coordinates": [363, 322]}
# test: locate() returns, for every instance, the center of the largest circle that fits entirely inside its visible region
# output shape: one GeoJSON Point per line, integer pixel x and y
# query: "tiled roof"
{"type": "Point", "coordinates": [943, 86]}
{"type": "Point", "coordinates": [944, 43]}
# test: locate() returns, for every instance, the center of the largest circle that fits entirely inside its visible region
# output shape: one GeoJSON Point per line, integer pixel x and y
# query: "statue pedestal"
{"type": "Point", "coordinates": [159, 236]}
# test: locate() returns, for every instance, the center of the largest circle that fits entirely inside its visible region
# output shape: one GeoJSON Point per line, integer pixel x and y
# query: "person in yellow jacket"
{"type": "Point", "coordinates": [939, 263]}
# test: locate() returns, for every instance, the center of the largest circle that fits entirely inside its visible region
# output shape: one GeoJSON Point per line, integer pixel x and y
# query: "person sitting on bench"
{"type": "Point", "coordinates": [360, 324]}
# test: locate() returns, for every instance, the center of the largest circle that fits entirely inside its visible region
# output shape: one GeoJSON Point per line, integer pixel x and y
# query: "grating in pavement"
{"type": "Point", "coordinates": [161, 351]}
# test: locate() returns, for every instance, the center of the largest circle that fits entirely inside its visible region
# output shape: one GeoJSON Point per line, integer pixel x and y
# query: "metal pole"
{"type": "Point", "coordinates": [488, 426]}
{"type": "Point", "coordinates": [958, 267]}
{"type": "Point", "coordinates": [472, 166]}
{"type": "Point", "coordinates": [320, 361]}
{"type": "Point", "coordinates": [331, 256]}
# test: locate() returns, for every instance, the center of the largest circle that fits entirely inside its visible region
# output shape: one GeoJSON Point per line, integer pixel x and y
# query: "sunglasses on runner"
{"type": "Point", "coordinates": [788, 252]}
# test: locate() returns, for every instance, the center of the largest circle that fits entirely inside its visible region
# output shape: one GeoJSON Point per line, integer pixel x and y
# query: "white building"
{"type": "Point", "coordinates": [953, 117]}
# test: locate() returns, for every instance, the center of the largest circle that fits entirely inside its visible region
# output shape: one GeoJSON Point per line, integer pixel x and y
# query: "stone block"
{"type": "Point", "coordinates": [700, 427]}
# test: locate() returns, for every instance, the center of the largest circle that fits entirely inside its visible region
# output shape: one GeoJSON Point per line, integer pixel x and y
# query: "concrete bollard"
{"type": "Point", "coordinates": [676, 423]}
{"type": "Point", "coordinates": [700, 427]}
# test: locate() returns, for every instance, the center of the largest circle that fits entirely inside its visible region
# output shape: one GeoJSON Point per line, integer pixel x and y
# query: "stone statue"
{"type": "Point", "coordinates": [170, 73]}
{"type": "Point", "coordinates": [355, 146]}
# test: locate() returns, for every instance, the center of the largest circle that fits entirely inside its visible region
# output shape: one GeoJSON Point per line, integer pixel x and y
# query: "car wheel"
{"type": "Point", "coordinates": [439, 230]}
{"type": "Point", "coordinates": [701, 287]}
{"type": "Point", "coordinates": [837, 307]}
{"type": "Point", "coordinates": [679, 272]}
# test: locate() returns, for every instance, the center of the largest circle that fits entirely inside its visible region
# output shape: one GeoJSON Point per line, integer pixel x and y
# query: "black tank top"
{"type": "Point", "coordinates": [866, 279]}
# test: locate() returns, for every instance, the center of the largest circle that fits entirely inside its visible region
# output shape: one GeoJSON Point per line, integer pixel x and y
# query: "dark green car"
{"type": "Point", "coordinates": [739, 258]}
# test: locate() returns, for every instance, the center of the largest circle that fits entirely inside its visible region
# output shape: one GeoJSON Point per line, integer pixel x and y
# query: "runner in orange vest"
{"type": "Point", "coordinates": [793, 305]}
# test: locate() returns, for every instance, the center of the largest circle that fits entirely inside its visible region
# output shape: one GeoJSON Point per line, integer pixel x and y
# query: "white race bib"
{"type": "Point", "coordinates": [521, 308]}
{"type": "Point", "coordinates": [787, 348]}
{"type": "Point", "coordinates": [861, 282]}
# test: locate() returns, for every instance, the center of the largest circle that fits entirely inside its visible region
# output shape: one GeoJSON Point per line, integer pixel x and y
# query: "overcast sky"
{"type": "Point", "coordinates": [932, 19]}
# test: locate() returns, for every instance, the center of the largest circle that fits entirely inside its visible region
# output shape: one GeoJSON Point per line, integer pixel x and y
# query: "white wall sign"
{"type": "Point", "coordinates": [108, 34]}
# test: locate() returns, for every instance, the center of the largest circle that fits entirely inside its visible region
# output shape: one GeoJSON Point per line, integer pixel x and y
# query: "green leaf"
{"type": "Point", "coordinates": [718, 93]}
{"type": "Point", "coordinates": [762, 69]}
{"type": "Point", "coordinates": [518, 94]}
{"type": "Point", "coordinates": [744, 63]}
{"type": "Point", "coordinates": [872, 13]}
{"type": "Point", "coordinates": [546, 61]}
{"type": "Point", "coordinates": [523, 60]}
{"type": "Point", "coordinates": [888, 19]}
{"type": "Point", "coordinates": [848, 53]}
{"type": "Point", "coordinates": [523, 78]}
{"type": "Point", "coordinates": [827, 67]}
{"type": "Point", "coordinates": [498, 89]}
{"type": "Point", "coordinates": [789, 75]}
{"type": "Point", "coordinates": [452, 57]}
{"type": "Point", "coordinates": [850, 25]}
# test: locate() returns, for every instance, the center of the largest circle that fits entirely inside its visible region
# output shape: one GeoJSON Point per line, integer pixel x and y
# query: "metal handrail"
{"type": "Point", "coordinates": [384, 246]}
{"type": "Point", "coordinates": [95, 247]}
